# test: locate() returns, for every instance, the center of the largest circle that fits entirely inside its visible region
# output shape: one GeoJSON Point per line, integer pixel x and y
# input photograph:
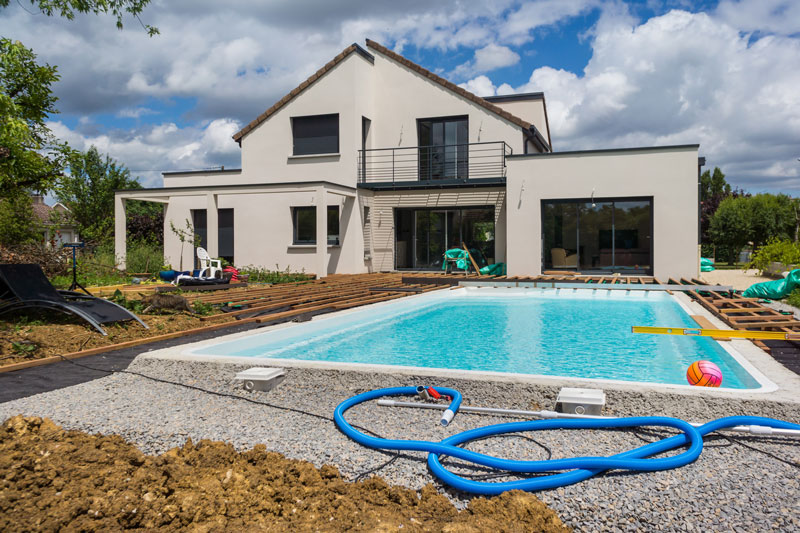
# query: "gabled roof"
{"type": "Point", "coordinates": [300, 88]}
{"type": "Point", "coordinates": [497, 110]}
{"type": "Point", "coordinates": [527, 126]}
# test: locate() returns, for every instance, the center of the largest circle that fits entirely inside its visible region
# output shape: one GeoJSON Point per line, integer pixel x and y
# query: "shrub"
{"type": "Point", "coordinates": [53, 260]}
{"type": "Point", "coordinates": [794, 298]}
{"type": "Point", "coordinates": [264, 275]}
{"type": "Point", "coordinates": [144, 256]}
{"type": "Point", "coordinates": [776, 251]}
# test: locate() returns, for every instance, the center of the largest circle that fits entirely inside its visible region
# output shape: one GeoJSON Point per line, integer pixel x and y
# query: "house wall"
{"type": "Point", "coordinates": [402, 96]}
{"type": "Point", "coordinates": [267, 150]}
{"type": "Point", "coordinates": [382, 227]}
{"type": "Point", "coordinates": [263, 230]}
{"type": "Point", "coordinates": [669, 175]}
{"type": "Point", "coordinates": [531, 110]}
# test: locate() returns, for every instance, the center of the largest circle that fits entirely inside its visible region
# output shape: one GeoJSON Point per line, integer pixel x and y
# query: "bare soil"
{"type": "Point", "coordinates": [52, 479]}
{"type": "Point", "coordinates": [49, 334]}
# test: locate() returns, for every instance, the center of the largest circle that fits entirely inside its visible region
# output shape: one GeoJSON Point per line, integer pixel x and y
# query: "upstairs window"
{"type": "Point", "coordinates": [316, 134]}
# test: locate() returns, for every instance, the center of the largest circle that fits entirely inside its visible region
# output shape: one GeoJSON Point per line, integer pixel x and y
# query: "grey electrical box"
{"type": "Point", "coordinates": [261, 379]}
{"type": "Point", "coordinates": [581, 401]}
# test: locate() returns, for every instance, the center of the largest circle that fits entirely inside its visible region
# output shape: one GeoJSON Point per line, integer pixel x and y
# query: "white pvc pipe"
{"type": "Point", "coordinates": [755, 430]}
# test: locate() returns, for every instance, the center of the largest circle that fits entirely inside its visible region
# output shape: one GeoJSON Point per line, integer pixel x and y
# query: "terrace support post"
{"type": "Point", "coordinates": [120, 231]}
{"type": "Point", "coordinates": [322, 233]}
{"type": "Point", "coordinates": [212, 226]}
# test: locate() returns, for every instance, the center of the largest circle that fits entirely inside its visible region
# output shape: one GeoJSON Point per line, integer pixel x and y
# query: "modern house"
{"type": "Point", "coordinates": [377, 164]}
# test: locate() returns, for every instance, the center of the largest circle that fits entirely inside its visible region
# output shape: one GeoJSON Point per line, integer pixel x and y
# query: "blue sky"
{"type": "Point", "coordinates": [723, 74]}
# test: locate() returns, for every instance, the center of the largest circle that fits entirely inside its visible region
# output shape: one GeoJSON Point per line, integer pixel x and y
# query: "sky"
{"type": "Point", "coordinates": [723, 74]}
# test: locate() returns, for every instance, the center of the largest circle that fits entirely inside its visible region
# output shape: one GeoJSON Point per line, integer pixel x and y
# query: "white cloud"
{"type": "Point", "coordinates": [150, 150]}
{"type": "Point", "coordinates": [490, 57]}
{"type": "Point", "coordinates": [727, 80]}
{"type": "Point", "coordinates": [493, 56]}
{"type": "Point", "coordinates": [684, 78]}
{"type": "Point", "coordinates": [481, 86]}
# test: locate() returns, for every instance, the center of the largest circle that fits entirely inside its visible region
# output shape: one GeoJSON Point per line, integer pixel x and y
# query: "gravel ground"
{"type": "Point", "coordinates": [732, 487]}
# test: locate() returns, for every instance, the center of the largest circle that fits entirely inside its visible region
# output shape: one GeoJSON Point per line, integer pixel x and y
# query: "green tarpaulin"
{"type": "Point", "coordinates": [775, 290]}
{"type": "Point", "coordinates": [706, 264]}
{"type": "Point", "coordinates": [497, 269]}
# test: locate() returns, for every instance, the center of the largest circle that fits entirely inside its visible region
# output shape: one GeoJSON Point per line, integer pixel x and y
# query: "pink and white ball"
{"type": "Point", "coordinates": [704, 374]}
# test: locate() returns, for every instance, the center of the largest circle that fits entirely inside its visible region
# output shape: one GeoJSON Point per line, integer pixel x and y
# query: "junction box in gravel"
{"type": "Point", "coordinates": [580, 401]}
{"type": "Point", "coordinates": [261, 379]}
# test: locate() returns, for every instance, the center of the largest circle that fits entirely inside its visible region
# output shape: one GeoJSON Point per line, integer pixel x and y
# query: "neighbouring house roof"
{"type": "Point", "coordinates": [42, 212]}
{"type": "Point", "coordinates": [529, 128]}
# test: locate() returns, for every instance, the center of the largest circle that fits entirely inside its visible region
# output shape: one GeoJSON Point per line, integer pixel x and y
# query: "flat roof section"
{"type": "Point", "coordinates": [608, 150]}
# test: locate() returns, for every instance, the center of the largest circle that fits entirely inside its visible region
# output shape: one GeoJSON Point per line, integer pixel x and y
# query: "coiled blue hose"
{"type": "Point", "coordinates": [578, 468]}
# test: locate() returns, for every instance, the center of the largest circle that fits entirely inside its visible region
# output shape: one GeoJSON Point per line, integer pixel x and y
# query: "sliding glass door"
{"type": "Point", "coordinates": [608, 235]}
{"type": "Point", "coordinates": [423, 235]}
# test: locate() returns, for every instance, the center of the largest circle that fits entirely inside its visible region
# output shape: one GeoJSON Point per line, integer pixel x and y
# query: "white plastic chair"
{"type": "Point", "coordinates": [213, 266]}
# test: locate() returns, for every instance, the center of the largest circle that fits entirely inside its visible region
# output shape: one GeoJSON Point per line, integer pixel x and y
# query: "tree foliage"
{"type": "Point", "coordinates": [18, 224]}
{"type": "Point", "coordinates": [713, 190]}
{"type": "Point", "coordinates": [88, 191]}
{"type": "Point", "coordinates": [68, 9]}
{"type": "Point", "coordinates": [145, 222]}
{"type": "Point", "coordinates": [751, 219]}
{"type": "Point", "coordinates": [30, 157]}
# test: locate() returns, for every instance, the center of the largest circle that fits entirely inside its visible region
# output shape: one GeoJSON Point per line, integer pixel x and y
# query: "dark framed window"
{"type": "Point", "coordinates": [443, 148]}
{"type": "Point", "coordinates": [225, 234]}
{"type": "Point", "coordinates": [304, 222]}
{"type": "Point", "coordinates": [315, 134]}
{"type": "Point", "coordinates": [598, 235]}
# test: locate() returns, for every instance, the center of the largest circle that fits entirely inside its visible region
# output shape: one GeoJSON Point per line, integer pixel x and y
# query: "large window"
{"type": "Point", "coordinates": [317, 134]}
{"type": "Point", "coordinates": [443, 148]}
{"type": "Point", "coordinates": [304, 220]}
{"type": "Point", "coordinates": [602, 235]}
{"type": "Point", "coordinates": [423, 235]}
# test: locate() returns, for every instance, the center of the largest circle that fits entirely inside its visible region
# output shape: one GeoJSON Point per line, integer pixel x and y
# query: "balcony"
{"type": "Point", "coordinates": [436, 166]}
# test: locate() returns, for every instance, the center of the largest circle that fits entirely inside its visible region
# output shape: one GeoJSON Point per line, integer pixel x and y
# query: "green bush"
{"type": "Point", "coordinates": [776, 251]}
{"type": "Point", "coordinates": [264, 275]}
{"type": "Point", "coordinates": [794, 298]}
{"type": "Point", "coordinates": [144, 257]}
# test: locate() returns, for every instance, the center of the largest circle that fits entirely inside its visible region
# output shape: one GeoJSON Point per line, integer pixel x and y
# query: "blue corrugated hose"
{"type": "Point", "coordinates": [578, 468]}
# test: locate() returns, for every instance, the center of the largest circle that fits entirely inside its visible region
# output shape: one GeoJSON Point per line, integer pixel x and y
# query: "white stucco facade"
{"type": "Point", "coordinates": [374, 86]}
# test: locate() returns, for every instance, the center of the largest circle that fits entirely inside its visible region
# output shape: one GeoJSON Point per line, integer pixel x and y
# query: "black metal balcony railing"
{"type": "Point", "coordinates": [450, 162]}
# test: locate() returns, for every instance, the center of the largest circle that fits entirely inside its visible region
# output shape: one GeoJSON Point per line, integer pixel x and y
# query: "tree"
{"type": "Point", "coordinates": [145, 222]}
{"type": "Point", "coordinates": [713, 190]}
{"type": "Point", "coordinates": [30, 157]}
{"type": "Point", "coordinates": [751, 219]}
{"type": "Point", "coordinates": [729, 228]}
{"type": "Point", "coordinates": [772, 216]}
{"type": "Point", "coordinates": [88, 191]}
{"type": "Point", "coordinates": [68, 9]}
{"type": "Point", "coordinates": [18, 224]}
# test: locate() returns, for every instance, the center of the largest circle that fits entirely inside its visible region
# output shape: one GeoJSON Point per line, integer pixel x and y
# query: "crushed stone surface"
{"type": "Point", "coordinates": [740, 483]}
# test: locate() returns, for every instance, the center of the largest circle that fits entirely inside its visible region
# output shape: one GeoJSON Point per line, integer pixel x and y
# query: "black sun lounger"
{"type": "Point", "coordinates": [26, 287]}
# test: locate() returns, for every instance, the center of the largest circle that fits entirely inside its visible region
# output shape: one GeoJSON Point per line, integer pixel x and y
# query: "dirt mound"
{"type": "Point", "coordinates": [51, 479]}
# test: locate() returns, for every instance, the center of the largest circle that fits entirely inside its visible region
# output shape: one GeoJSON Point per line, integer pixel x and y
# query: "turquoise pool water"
{"type": "Point", "coordinates": [584, 334]}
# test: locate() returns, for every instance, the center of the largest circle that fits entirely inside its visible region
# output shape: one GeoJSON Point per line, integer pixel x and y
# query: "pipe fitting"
{"type": "Point", "coordinates": [422, 392]}
{"type": "Point", "coordinates": [447, 417]}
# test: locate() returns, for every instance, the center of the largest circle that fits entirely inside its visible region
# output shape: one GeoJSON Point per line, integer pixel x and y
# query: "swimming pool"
{"type": "Point", "coordinates": [568, 333]}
